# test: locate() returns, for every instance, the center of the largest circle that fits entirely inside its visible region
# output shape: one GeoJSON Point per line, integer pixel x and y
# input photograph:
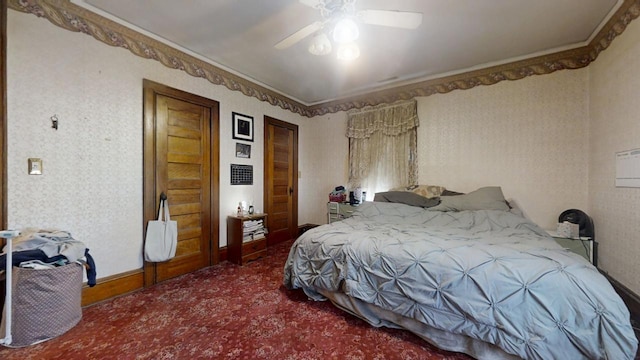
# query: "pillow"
{"type": "Point", "coordinates": [486, 198]}
{"type": "Point", "coordinates": [450, 193]}
{"type": "Point", "coordinates": [405, 197]}
{"type": "Point", "coordinates": [428, 191]}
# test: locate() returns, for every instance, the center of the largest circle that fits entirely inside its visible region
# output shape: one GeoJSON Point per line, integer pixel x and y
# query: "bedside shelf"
{"type": "Point", "coordinates": [242, 246]}
{"type": "Point", "coordinates": [583, 246]}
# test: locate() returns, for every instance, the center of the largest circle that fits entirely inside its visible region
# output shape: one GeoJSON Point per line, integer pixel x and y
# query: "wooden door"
{"type": "Point", "coordinates": [281, 179]}
{"type": "Point", "coordinates": [3, 117]}
{"type": "Point", "coordinates": [181, 161]}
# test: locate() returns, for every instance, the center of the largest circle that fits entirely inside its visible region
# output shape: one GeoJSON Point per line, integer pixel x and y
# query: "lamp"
{"type": "Point", "coordinates": [320, 45]}
{"type": "Point", "coordinates": [345, 31]}
{"type": "Point", "coordinates": [348, 52]}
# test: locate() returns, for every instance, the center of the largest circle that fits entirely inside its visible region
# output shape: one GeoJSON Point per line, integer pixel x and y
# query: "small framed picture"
{"type": "Point", "coordinates": [243, 150]}
{"type": "Point", "coordinates": [242, 127]}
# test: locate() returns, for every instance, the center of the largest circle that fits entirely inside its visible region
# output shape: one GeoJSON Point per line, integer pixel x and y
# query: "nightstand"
{"type": "Point", "coordinates": [338, 211]}
{"type": "Point", "coordinates": [246, 238]}
{"type": "Point", "coordinates": [583, 246]}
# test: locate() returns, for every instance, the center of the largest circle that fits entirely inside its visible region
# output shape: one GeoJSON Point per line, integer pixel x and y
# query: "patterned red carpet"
{"type": "Point", "coordinates": [226, 312]}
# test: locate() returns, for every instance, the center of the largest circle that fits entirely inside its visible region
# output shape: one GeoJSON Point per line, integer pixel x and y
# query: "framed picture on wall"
{"type": "Point", "coordinates": [242, 127]}
{"type": "Point", "coordinates": [243, 150]}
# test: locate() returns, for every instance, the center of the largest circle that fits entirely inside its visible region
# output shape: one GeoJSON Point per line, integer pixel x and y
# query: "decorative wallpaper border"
{"type": "Point", "coordinates": [72, 17]}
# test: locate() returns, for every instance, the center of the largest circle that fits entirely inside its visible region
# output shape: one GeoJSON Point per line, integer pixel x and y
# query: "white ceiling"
{"type": "Point", "coordinates": [455, 36]}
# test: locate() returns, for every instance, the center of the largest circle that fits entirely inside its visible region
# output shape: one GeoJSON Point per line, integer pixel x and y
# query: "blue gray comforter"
{"type": "Point", "coordinates": [487, 274]}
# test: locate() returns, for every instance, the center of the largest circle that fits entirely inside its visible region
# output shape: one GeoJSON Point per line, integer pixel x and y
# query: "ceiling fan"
{"type": "Point", "coordinates": [339, 21]}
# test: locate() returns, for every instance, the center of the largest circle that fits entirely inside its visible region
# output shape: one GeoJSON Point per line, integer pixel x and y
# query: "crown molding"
{"type": "Point", "coordinates": [628, 11]}
{"type": "Point", "coordinates": [72, 17]}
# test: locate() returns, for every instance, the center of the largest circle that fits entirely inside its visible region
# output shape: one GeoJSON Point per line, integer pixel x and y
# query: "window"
{"type": "Point", "coordinates": [383, 146]}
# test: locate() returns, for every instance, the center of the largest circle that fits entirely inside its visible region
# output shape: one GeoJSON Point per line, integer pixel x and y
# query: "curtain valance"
{"type": "Point", "coordinates": [391, 120]}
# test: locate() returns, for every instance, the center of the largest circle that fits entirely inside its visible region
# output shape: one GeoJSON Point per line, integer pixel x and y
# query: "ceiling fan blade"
{"type": "Point", "coordinates": [392, 18]}
{"type": "Point", "coordinates": [299, 35]}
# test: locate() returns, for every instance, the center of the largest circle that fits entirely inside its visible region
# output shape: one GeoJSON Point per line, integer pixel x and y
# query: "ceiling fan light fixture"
{"type": "Point", "coordinates": [348, 52]}
{"type": "Point", "coordinates": [320, 45]}
{"type": "Point", "coordinates": [345, 31]}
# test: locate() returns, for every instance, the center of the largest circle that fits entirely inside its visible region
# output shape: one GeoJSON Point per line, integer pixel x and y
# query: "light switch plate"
{"type": "Point", "coordinates": [35, 166]}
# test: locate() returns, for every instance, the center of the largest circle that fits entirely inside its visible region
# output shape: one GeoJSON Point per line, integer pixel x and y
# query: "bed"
{"type": "Point", "coordinates": [467, 275]}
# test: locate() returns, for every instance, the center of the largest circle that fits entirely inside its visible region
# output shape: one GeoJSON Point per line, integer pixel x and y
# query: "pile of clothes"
{"type": "Point", "coordinates": [45, 249]}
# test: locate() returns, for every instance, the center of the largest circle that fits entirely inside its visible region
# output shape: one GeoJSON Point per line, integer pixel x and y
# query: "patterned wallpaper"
{"type": "Point", "coordinates": [325, 167]}
{"type": "Point", "coordinates": [528, 136]}
{"type": "Point", "coordinates": [92, 181]}
{"type": "Point", "coordinates": [615, 126]}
